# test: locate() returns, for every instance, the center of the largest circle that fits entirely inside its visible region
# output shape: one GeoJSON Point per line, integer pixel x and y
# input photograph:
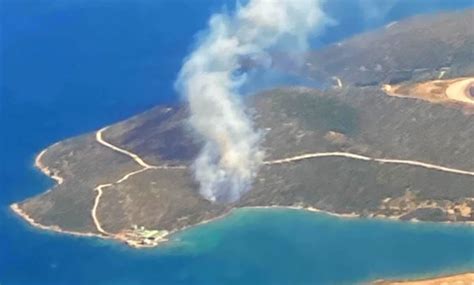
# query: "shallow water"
{"type": "Point", "coordinates": [70, 67]}
{"type": "Point", "coordinates": [251, 246]}
{"type": "Point", "coordinates": [312, 248]}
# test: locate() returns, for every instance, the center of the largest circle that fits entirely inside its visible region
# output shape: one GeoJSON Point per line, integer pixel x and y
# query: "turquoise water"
{"type": "Point", "coordinates": [284, 246]}
{"type": "Point", "coordinates": [251, 246]}
{"type": "Point", "coordinates": [70, 67]}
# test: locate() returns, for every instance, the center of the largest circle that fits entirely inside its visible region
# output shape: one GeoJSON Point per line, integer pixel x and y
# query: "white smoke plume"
{"type": "Point", "coordinates": [376, 10]}
{"type": "Point", "coordinates": [211, 77]}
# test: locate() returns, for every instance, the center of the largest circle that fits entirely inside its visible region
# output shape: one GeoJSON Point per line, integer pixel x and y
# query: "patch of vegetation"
{"type": "Point", "coordinates": [321, 113]}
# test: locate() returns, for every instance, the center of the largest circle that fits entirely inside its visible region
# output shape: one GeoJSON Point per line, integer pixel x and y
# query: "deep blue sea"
{"type": "Point", "coordinates": [71, 66]}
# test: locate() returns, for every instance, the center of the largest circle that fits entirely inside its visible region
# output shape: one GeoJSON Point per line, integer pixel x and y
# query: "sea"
{"type": "Point", "coordinates": [71, 66]}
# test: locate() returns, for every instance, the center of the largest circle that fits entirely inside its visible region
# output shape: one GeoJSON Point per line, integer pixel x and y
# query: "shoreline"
{"type": "Point", "coordinates": [121, 237]}
{"type": "Point", "coordinates": [456, 278]}
{"type": "Point", "coordinates": [15, 208]}
{"type": "Point", "coordinates": [58, 180]}
{"type": "Point", "coordinates": [348, 216]}
{"type": "Point", "coordinates": [56, 229]}
{"type": "Point", "coordinates": [354, 215]}
{"type": "Point", "coordinates": [38, 164]}
{"type": "Point", "coordinates": [307, 209]}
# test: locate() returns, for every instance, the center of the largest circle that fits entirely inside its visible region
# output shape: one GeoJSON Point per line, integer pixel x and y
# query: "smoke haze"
{"type": "Point", "coordinates": [211, 79]}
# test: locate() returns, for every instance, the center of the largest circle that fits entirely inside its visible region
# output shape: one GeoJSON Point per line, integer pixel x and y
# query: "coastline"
{"type": "Point", "coordinates": [78, 67]}
{"type": "Point", "coordinates": [308, 209]}
{"type": "Point", "coordinates": [441, 278]}
{"type": "Point", "coordinates": [466, 278]}
{"type": "Point", "coordinates": [356, 216]}
{"type": "Point", "coordinates": [17, 210]}
{"type": "Point", "coordinates": [122, 237]}
{"type": "Point", "coordinates": [56, 229]}
{"type": "Point", "coordinates": [447, 279]}
{"type": "Point", "coordinates": [165, 238]}
{"type": "Point", "coordinates": [319, 211]}
{"type": "Point", "coordinates": [38, 164]}
{"type": "Point", "coordinates": [58, 180]}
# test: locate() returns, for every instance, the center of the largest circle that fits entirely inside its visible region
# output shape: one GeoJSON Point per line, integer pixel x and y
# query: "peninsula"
{"type": "Point", "coordinates": [393, 137]}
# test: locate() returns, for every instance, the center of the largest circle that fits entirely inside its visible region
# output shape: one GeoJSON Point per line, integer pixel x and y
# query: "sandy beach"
{"type": "Point", "coordinates": [456, 279]}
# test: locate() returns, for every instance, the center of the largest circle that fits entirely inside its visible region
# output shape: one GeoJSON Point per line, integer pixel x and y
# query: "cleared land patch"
{"type": "Point", "coordinates": [455, 90]}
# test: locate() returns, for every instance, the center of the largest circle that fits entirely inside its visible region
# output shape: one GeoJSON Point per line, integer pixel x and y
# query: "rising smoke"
{"type": "Point", "coordinates": [211, 78]}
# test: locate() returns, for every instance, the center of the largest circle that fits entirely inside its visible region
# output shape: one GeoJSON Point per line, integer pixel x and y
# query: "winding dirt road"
{"type": "Point", "coordinates": [146, 166]}
{"type": "Point", "coordinates": [94, 208]}
{"type": "Point", "coordinates": [135, 157]}
{"type": "Point", "coordinates": [367, 158]}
